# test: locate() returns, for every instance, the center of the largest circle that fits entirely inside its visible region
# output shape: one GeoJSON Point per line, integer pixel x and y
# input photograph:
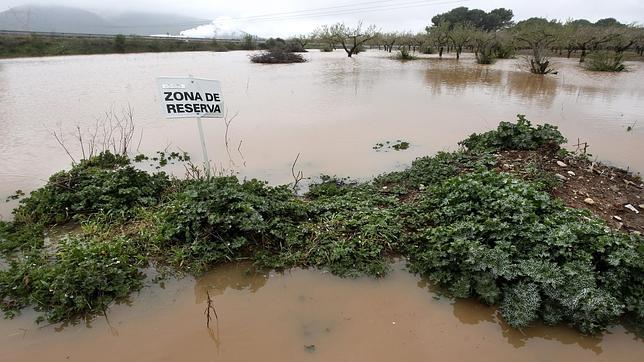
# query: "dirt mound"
{"type": "Point", "coordinates": [607, 192]}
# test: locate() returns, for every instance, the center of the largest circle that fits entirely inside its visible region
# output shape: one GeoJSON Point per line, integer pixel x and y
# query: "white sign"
{"type": "Point", "coordinates": [190, 98]}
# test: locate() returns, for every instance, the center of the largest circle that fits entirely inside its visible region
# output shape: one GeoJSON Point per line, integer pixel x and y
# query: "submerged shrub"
{"type": "Point", "coordinates": [485, 56]}
{"type": "Point", "coordinates": [605, 61]}
{"type": "Point", "coordinates": [277, 56]}
{"type": "Point", "coordinates": [105, 183]}
{"type": "Point", "coordinates": [515, 136]}
{"type": "Point", "coordinates": [404, 54]}
{"type": "Point", "coordinates": [499, 239]}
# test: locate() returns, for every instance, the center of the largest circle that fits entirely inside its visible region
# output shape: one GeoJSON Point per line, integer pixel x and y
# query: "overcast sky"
{"type": "Point", "coordinates": [293, 16]}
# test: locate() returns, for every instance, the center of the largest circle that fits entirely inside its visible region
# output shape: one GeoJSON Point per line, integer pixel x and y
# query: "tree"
{"type": "Point", "coordinates": [608, 22]}
{"type": "Point", "coordinates": [483, 46]}
{"type": "Point", "coordinates": [460, 36]}
{"type": "Point", "coordinates": [323, 35]}
{"type": "Point", "coordinates": [439, 36]}
{"type": "Point", "coordinates": [538, 34]}
{"type": "Point", "coordinates": [389, 39]}
{"type": "Point", "coordinates": [494, 20]}
{"type": "Point", "coordinates": [352, 39]}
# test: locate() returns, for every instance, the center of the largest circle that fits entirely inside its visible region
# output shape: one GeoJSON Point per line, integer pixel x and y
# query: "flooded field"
{"type": "Point", "coordinates": [304, 315]}
{"type": "Point", "coordinates": [332, 110]}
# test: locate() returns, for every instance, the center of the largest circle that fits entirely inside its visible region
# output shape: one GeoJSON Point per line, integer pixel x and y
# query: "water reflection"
{"type": "Point", "coordinates": [237, 276]}
{"type": "Point", "coordinates": [532, 88]}
{"type": "Point", "coordinates": [454, 77]}
{"type": "Point", "coordinates": [473, 312]}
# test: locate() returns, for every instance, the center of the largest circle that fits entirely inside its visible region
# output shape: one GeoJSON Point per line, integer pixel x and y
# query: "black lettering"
{"type": "Point", "coordinates": [216, 97]}
{"type": "Point", "coordinates": [180, 108]}
{"type": "Point", "coordinates": [168, 96]}
{"type": "Point", "coordinates": [203, 108]}
{"type": "Point", "coordinates": [170, 108]}
{"type": "Point", "coordinates": [209, 97]}
{"type": "Point", "coordinates": [198, 97]}
{"type": "Point", "coordinates": [189, 108]}
{"type": "Point", "coordinates": [178, 96]}
{"type": "Point", "coordinates": [217, 109]}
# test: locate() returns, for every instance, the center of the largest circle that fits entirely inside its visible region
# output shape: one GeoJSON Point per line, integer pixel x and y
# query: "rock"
{"type": "Point", "coordinates": [561, 164]}
{"type": "Point", "coordinates": [421, 187]}
{"type": "Point", "coordinates": [636, 232]}
{"type": "Point", "coordinates": [632, 208]}
{"type": "Point", "coordinates": [571, 173]}
{"type": "Point", "coordinates": [589, 201]}
{"type": "Point", "coordinates": [560, 177]}
{"type": "Point", "coordinates": [617, 218]}
{"type": "Point", "coordinates": [641, 206]}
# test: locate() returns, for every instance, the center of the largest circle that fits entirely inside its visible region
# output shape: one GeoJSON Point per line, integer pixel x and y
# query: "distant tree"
{"type": "Point", "coordinates": [439, 36]}
{"type": "Point", "coordinates": [608, 22]}
{"type": "Point", "coordinates": [300, 40]}
{"type": "Point", "coordinates": [538, 34]}
{"type": "Point", "coordinates": [494, 20]}
{"type": "Point", "coordinates": [460, 36]}
{"type": "Point", "coordinates": [483, 46]}
{"type": "Point", "coordinates": [248, 42]}
{"type": "Point", "coordinates": [352, 39]}
{"type": "Point", "coordinates": [323, 35]}
{"type": "Point", "coordinates": [119, 43]}
{"type": "Point", "coordinates": [389, 39]}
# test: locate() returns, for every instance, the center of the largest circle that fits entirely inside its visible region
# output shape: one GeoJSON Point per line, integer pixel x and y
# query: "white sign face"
{"type": "Point", "coordinates": [190, 98]}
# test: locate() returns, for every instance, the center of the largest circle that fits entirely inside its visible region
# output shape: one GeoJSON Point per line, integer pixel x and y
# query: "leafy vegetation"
{"type": "Point", "coordinates": [604, 61]}
{"type": "Point", "coordinates": [36, 46]}
{"type": "Point", "coordinates": [472, 230]}
{"type": "Point", "coordinates": [515, 136]}
{"type": "Point", "coordinates": [106, 183]}
{"type": "Point", "coordinates": [396, 146]}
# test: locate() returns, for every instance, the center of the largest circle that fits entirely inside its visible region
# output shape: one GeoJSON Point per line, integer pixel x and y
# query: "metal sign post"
{"type": "Point", "coordinates": [206, 160]}
{"type": "Point", "coordinates": [192, 98]}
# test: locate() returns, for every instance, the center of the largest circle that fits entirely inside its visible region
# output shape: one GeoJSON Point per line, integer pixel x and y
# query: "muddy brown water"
{"type": "Point", "coordinates": [304, 315]}
{"type": "Point", "coordinates": [332, 109]}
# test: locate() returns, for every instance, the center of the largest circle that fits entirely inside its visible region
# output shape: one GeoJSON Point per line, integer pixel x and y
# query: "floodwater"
{"type": "Point", "coordinates": [332, 110]}
{"type": "Point", "coordinates": [304, 315]}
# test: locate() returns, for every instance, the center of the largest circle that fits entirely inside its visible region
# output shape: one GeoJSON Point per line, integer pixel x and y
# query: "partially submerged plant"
{"type": "Point", "coordinates": [605, 61]}
{"type": "Point", "coordinates": [277, 56]}
{"type": "Point", "coordinates": [471, 229]}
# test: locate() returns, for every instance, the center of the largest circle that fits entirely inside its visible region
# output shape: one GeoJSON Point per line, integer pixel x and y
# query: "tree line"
{"type": "Point", "coordinates": [494, 35]}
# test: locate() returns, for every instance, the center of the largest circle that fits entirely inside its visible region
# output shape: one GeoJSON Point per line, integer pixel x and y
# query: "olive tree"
{"type": "Point", "coordinates": [537, 34]}
{"type": "Point", "coordinates": [323, 35]}
{"type": "Point", "coordinates": [460, 36]}
{"type": "Point", "coordinates": [439, 36]}
{"type": "Point", "coordinates": [352, 39]}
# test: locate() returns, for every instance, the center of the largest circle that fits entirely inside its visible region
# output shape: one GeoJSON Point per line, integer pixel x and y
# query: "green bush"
{"type": "Point", "coordinates": [499, 239]}
{"type": "Point", "coordinates": [404, 54]}
{"type": "Point", "coordinates": [105, 183]}
{"type": "Point", "coordinates": [14, 237]}
{"type": "Point", "coordinates": [81, 279]}
{"type": "Point", "coordinates": [485, 56]}
{"type": "Point", "coordinates": [213, 221]}
{"type": "Point", "coordinates": [605, 61]}
{"type": "Point", "coordinates": [515, 136]}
